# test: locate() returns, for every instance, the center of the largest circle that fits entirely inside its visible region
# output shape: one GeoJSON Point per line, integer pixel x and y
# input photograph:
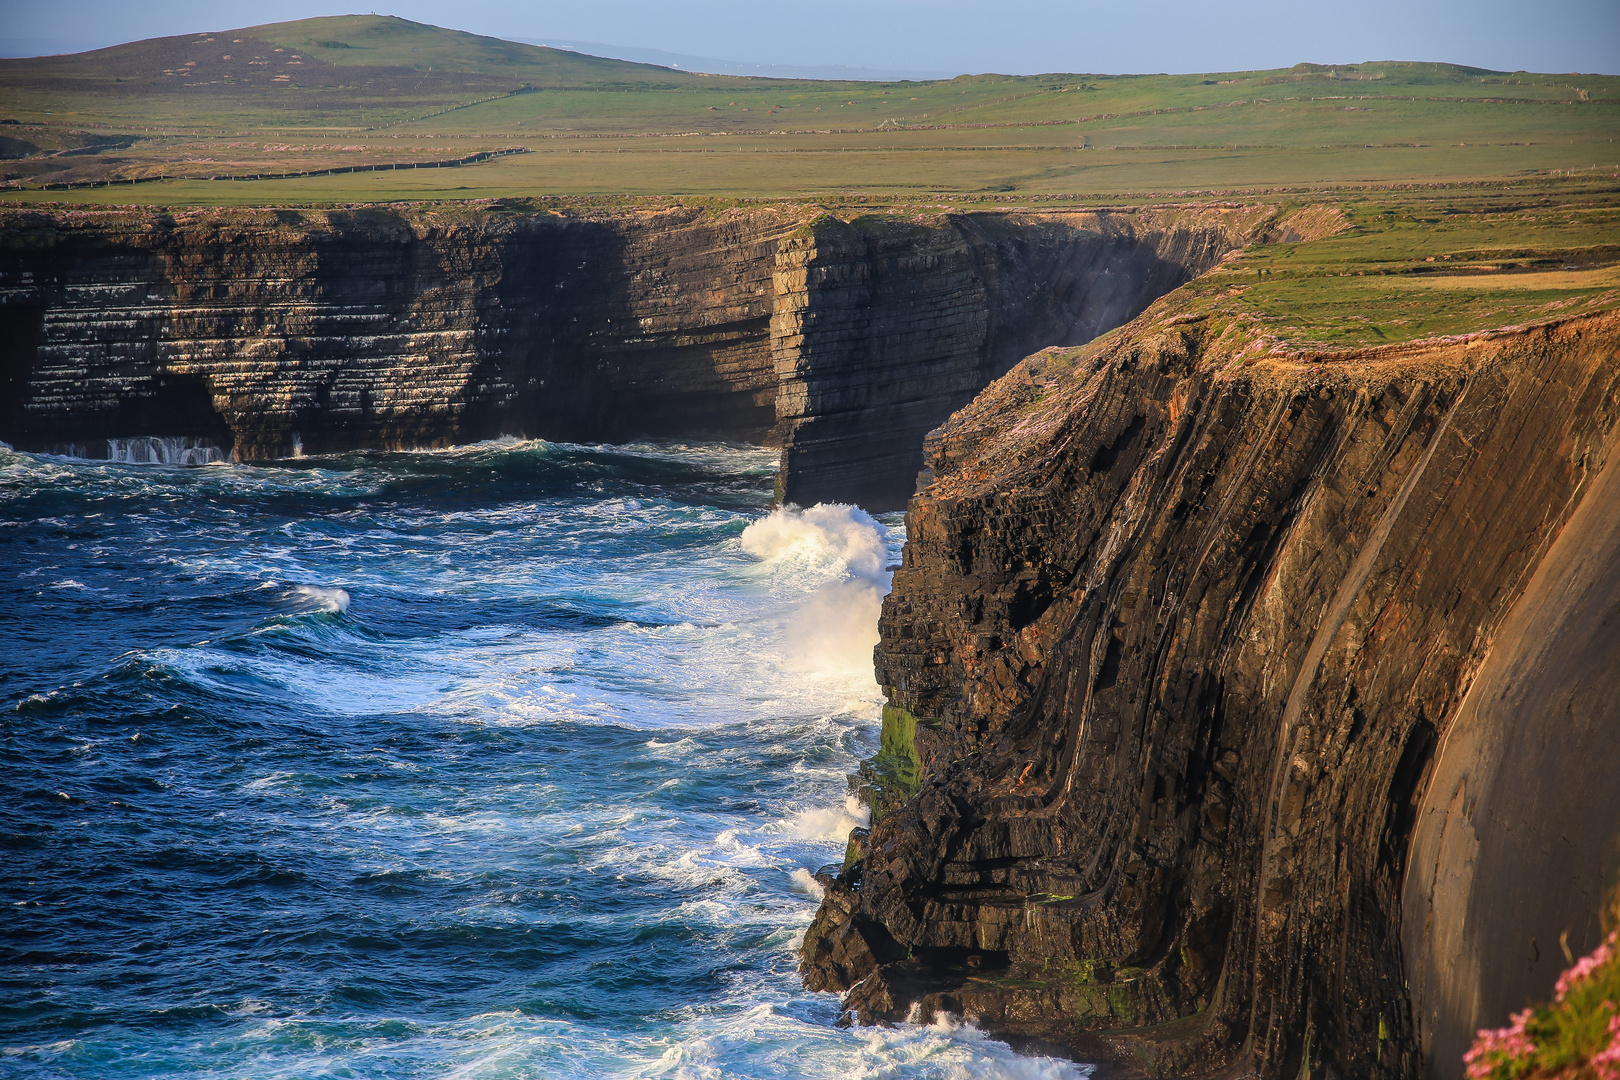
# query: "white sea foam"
{"type": "Point", "coordinates": [842, 551]}
{"type": "Point", "coordinates": [499, 442]}
{"type": "Point", "coordinates": [806, 882]}
{"type": "Point", "coordinates": [831, 535]}
{"type": "Point", "coordinates": [514, 1044]}
{"type": "Point", "coordinates": [738, 853]}
{"type": "Point", "coordinates": [769, 1042]}
{"type": "Point", "coordinates": [678, 748]}
{"type": "Point", "coordinates": [954, 1050]}
{"type": "Point", "coordinates": [827, 823]}
{"type": "Point", "coordinates": [268, 783]}
{"type": "Point", "coordinates": [153, 450]}
{"type": "Point", "coordinates": [633, 676]}
{"type": "Point", "coordinates": [333, 601]}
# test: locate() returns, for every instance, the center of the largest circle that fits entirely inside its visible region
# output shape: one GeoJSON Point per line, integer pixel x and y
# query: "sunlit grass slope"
{"type": "Point", "coordinates": [1421, 266]}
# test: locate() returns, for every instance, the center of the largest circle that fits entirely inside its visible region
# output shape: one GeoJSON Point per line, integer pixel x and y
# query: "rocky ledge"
{"type": "Point", "coordinates": [1248, 709]}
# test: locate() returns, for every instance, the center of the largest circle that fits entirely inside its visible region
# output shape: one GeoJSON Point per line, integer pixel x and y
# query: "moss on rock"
{"type": "Point", "coordinates": [895, 772]}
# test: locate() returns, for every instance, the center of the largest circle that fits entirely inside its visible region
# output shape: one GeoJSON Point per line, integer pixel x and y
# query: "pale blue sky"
{"type": "Point", "coordinates": [950, 36]}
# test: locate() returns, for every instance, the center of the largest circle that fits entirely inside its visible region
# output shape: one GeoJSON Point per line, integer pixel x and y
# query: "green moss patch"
{"type": "Point", "coordinates": [894, 773]}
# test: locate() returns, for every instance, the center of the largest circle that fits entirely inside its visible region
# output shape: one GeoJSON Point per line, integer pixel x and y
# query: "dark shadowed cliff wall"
{"type": "Point", "coordinates": [270, 332]}
{"type": "Point", "coordinates": [380, 328]}
{"type": "Point", "coordinates": [1193, 645]}
{"type": "Point", "coordinates": [886, 326]}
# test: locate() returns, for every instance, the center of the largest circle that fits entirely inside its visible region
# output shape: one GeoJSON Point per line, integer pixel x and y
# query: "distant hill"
{"type": "Point", "coordinates": [343, 62]}
{"type": "Point", "coordinates": [351, 41]}
{"type": "Point", "coordinates": [370, 68]}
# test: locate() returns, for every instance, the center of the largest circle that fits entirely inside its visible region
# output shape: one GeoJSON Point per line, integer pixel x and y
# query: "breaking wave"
{"type": "Point", "coordinates": [514, 760]}
{"type": "Point", "coordinates": [334, 601]}
{"type": "Point", "coordinates": [842, 552]}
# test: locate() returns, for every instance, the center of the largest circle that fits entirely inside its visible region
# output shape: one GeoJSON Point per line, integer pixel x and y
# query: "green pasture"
{"type": "Point", "coordinates": [881, 169]}
{"type": "Point", "coordinates": [394, 90]}
{"type": "Point", "coordinates": [1429, 264]}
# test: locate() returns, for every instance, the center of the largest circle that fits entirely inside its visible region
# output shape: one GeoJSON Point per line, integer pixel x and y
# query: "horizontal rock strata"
{"type": "Point", "coordinates": [273, 332]}
{"type": "Point", "coordinates": [378, 328]}
{"type": "Point", "coordinates": [1192, 642]}
{"type": "Point", "coordinates": [885, 326]}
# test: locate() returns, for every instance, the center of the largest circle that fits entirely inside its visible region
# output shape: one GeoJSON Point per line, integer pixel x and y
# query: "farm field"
{"type": "Point", "coordinates": [1423, 266]}
{"type": "Point", "coordinates": [375, 91]}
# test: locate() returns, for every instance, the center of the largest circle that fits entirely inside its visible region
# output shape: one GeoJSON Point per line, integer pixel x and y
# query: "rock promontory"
{"type": "Point", "coordinates": [1247, 708]}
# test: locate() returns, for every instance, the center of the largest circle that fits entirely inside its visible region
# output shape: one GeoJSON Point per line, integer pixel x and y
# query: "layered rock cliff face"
{"type": "Point", "coordinates": [383, 328]}
{"type": "Point", "coordinates": [266, 333]}
{"type": "Point", "coordinates": [1188, 644]}
{"type": "Point", "coordinates": [884, 327]}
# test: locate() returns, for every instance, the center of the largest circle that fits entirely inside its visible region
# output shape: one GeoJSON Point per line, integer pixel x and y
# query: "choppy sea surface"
{"type": "Point", "coordinates": [503, 762]}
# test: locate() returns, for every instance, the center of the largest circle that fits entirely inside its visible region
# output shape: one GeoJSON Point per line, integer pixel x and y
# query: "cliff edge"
{"type": "Point", "coordinates": [1202, 653]}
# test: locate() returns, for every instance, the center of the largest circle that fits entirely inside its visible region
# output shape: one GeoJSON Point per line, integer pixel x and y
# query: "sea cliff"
{"type": "Point", "coordinates": [1246, 702]}
{"type": "Point", "coordinates": [268, 333]}
{"type": "Point", "coordinates": [1245, 708]}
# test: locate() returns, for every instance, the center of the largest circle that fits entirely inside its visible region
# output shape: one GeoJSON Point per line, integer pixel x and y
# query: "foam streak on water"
{"type": "Point", "coordinates": [509, 761]}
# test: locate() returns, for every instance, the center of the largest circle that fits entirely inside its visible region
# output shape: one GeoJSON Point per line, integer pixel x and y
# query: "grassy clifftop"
{"type": "Point", "coordinates": [1404, 269]}
{"type": "Point", "coordinates": [371, 90]}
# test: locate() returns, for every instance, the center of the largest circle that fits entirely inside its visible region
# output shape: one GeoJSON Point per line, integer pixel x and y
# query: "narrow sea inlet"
{"type": "Point", "coordinates": [503, 762]}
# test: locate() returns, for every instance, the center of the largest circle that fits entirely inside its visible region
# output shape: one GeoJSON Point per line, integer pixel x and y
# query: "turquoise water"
{"type": "Point", "coordinates": [509, 761]}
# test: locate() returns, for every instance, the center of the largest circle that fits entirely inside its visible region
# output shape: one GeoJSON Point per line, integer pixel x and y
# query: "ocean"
{"type": "Point", "coordinates": [507, 761]}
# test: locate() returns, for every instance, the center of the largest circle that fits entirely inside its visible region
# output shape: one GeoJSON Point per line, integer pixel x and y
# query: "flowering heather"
{"type": "Point", "coordinates": [1578, 1035]}
{"type": "Point", "coordinates": [1607, 1062]}
{"type": "Point", "coordinates": [1497, 1048]}
{"type": "Point", "coordinates": [1583, 969]}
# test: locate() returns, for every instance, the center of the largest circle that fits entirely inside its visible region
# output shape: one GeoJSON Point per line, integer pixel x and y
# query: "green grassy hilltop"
{"type": "Point", "coordinates": [371, 90]}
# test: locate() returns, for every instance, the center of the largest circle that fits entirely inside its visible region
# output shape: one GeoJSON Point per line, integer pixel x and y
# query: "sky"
{"type": "Point", "coordinates": [1013, 37]}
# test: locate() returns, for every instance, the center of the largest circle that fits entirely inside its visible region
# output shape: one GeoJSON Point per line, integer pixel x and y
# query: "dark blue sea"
{"type": "Point", "coordinates": [507, 761]}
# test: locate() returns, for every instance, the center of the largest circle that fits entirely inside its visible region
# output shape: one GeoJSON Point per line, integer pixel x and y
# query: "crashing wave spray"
{"type": "Point", "coordinates": [331, 601]}
{"type": "Point", "coordinates": [835, 630]}
{"type": "Point", "coordinates": [166, 450]}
